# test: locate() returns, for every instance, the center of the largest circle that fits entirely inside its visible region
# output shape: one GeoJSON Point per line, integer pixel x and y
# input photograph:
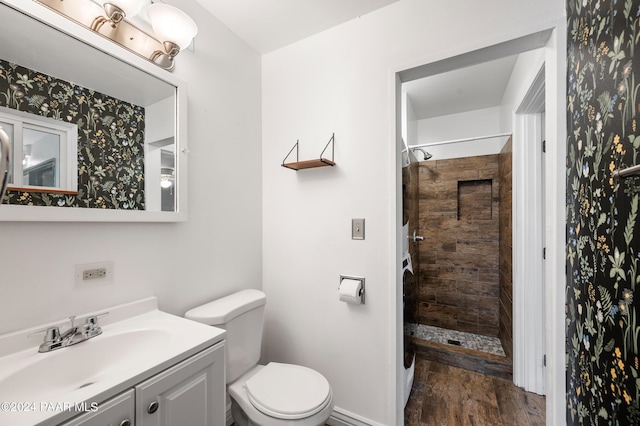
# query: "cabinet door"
{"type": "Point", "coordinates": [190, 393]}
{"type": "Point", "coordinates": [117, 411]}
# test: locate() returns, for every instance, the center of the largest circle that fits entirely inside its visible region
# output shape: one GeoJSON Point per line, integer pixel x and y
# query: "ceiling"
{"type": "Point", "coordinates": [267, 25]}
{"type": "Point", "coordinates": [466, 89]}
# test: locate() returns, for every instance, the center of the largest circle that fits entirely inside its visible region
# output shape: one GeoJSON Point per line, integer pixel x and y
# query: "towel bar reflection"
{"type": "Point", "coordinates": [629, 171]}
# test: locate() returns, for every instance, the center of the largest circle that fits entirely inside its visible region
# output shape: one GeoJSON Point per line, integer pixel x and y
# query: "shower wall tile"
{"type": "Point", "coordinates": [458, 286]}
{"type": "Point", "coordinates": [477, 288]}
{"type": "Point", "coordinates": [410, 218]}
{"type": "Point", "coordinates": [506, 268]}
{"type": "Point", "coordinates": [491, 275]}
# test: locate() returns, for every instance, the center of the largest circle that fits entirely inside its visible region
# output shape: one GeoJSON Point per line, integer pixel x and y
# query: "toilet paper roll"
{"type": "Point", "coordinates": [351, 291]}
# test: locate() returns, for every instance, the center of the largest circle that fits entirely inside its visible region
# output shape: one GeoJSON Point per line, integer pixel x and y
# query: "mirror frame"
{"type": "Point", "coordinates": [19, 213]}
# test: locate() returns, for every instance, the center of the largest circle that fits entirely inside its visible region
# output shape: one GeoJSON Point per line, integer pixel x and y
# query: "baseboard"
{"type": "Point", "coordinates": [339, 417]}
{"type": "Point", "coordinates": [342, 417]}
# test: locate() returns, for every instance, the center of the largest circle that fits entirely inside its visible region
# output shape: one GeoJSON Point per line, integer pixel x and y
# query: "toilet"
{"type": "Point", "coordinates": [275, 394]}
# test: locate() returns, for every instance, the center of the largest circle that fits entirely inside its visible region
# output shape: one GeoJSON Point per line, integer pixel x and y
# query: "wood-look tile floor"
{"type": "Point", "coordinates": [450, 396]}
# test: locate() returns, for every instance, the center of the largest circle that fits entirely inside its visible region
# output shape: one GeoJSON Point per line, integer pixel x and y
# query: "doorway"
{"type": "Point", "coordinates": [507, 122]}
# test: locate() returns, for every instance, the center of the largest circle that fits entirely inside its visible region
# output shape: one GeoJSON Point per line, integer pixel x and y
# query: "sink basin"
{"type": "Point", "coordinates": [81, 365]}
{"type": "Point", "coordinates": [137, 342]}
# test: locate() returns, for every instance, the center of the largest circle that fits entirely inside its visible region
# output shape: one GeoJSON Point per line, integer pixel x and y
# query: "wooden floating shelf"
{"type": "Point", "coordinates": [310, 164]}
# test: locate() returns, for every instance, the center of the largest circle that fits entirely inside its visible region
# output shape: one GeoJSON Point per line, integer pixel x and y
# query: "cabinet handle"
{"type": "Point", "coordinates": [153, 407]}
{"type": "Point", "coordinates": [126, 422]}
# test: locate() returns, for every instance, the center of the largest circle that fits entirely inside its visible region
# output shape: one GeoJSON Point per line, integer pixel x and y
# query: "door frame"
{"type": "Point", "coordinates": [528, 240]}
{"type": "Point", "coordinates": [553, 40]}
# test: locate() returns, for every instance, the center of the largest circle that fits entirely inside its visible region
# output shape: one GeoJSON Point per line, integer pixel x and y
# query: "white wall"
{"type": "Point", "coordinates": [342, 81]}
{"type": "Point", "coordinates": [523, 74]}
{"type": "Point", "coordinates": [479, 122]}
{"type": "Point", "coordinates": [216, 252]}
{"type": "Point", "coordinates": [157, 127]}
{"type": "Point", "coordinates": [159, 134]}
{"type": "Point", "coordinates": [469, 124]}
{"type": "Point", "coordinates": [409, 124]}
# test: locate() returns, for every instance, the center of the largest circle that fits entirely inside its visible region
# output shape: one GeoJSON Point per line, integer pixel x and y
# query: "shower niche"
{"type": "Point", "coordinates": [475, 199]}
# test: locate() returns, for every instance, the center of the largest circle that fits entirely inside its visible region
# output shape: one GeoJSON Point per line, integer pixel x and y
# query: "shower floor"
{"type": "Point", "coordinates": [476, 342]}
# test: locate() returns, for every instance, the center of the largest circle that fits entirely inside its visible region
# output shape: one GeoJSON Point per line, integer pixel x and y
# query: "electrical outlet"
{"type": "Point", "coordinates": [93, 273]}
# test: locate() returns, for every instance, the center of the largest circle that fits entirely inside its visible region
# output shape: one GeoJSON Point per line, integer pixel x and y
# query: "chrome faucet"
{"type": "Point", "coordinates": [53, 339]}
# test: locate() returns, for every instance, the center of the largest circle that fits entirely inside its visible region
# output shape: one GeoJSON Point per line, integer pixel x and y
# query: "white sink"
{"type": "Point", "coordinates": [129, 350]}
{"type": "Point", "coordinates": [68, 369]}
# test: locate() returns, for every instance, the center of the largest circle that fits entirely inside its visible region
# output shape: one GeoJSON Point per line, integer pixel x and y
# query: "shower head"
{"type": "Point", "coordinates": [425, 154]}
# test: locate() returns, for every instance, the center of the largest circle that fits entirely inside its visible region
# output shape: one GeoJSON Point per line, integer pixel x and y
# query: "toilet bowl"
{"type": "Point", "coordinates": [275, 394]}
{"type": "Point", "coordinates": [280, 395]}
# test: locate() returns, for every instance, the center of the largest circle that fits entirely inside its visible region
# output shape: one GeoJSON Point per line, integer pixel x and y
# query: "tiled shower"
{"type": "Point", "coordinates": [463, 266]}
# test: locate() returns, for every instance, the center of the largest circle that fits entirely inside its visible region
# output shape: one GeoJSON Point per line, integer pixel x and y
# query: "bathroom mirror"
{"type": "Point", "coordinates": [128, 115]}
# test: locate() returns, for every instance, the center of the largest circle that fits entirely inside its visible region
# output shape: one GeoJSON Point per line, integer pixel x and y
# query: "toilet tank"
{"type": "Point", "coordinates": [241, 314]}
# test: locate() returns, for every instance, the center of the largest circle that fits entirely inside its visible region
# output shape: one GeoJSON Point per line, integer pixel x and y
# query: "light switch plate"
{"type": "Point", "coordinates": [357, 229]}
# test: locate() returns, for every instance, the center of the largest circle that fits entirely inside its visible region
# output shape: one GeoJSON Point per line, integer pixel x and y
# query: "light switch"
{"type": "Point", "coordinates": [357, 229]}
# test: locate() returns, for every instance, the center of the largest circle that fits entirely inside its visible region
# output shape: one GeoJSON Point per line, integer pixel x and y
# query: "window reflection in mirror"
{"type": "Point", "coordinates": [40, 159]}
{"type": "Point", "coordinates": [44, 152]}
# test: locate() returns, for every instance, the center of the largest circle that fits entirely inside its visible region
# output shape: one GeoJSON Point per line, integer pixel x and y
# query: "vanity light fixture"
{"type": "Point", "coordinates": [167, 177]}
{"type": "Point", "coordinates": [165, 181]}
{"type": "Point", "coordinates": [26, 156]}
{"type": "Point", "coordinates": [116, 11]}
{"type": "Point", "coordinates": [172, 29]}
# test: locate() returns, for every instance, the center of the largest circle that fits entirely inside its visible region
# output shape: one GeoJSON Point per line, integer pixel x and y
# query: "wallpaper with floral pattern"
{"type": "Point", "coordinates": [603, 233]}
{"type": "Point", "coordinates": [110, 139]}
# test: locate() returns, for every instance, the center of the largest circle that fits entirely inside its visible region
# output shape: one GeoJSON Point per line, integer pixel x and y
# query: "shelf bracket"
{"type": "Point", "coordinates": [332, 143]}
{"type": "Point", "coordinates": [294, 147]}
{"type": "Point", "coordinates": [321, 162]}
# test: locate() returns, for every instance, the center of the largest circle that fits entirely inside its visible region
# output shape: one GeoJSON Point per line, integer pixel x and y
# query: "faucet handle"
{"type": "Point", "coordinates": [93, 319]}
{"type": "Point", "coordinates": [51, 334]}
{"type": "Point", "coordinates": [52, 339]}
{"type": "Point", "coordinates": [91, 324]}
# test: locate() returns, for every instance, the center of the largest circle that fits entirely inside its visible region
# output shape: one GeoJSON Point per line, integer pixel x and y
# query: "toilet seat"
{"type": "Point", "coordinates": [288, 391]}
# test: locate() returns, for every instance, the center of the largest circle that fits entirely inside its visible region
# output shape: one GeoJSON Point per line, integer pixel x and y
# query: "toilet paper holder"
{"type": "Point", "coordinates": [355, 278]}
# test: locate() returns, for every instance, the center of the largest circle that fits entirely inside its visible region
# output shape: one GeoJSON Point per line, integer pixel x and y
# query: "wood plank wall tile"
{"type": "Point", "coordinates": [459, 205]}
{"type": "Point", "coordinates": [506, 249]}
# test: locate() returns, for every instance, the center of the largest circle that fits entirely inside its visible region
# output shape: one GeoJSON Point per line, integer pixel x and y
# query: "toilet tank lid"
{"type": "Point", "coordinates": [222, 310]}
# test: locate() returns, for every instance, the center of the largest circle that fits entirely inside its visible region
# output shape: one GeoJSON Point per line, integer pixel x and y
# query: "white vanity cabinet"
{"type": "Point", "coordinates": [117, 411]}
{"type": "Point", "coordinates": [191, 392]}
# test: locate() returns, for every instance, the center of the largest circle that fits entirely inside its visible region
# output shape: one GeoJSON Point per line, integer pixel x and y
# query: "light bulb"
{"type": "Point", "coordinates": [170, 24]}
{"type": "Point", "coordinates": [165, 182]}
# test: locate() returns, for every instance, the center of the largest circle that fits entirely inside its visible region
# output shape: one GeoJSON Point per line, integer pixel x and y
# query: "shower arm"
{"type": "Point", "coordinates": [5, 151]}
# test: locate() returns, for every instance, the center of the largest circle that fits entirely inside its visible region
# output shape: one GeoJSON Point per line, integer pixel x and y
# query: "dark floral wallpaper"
{"type": "Point", "coordinates": [603, 233]}
{"type": "Point", "coordinates": [110, 139]}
